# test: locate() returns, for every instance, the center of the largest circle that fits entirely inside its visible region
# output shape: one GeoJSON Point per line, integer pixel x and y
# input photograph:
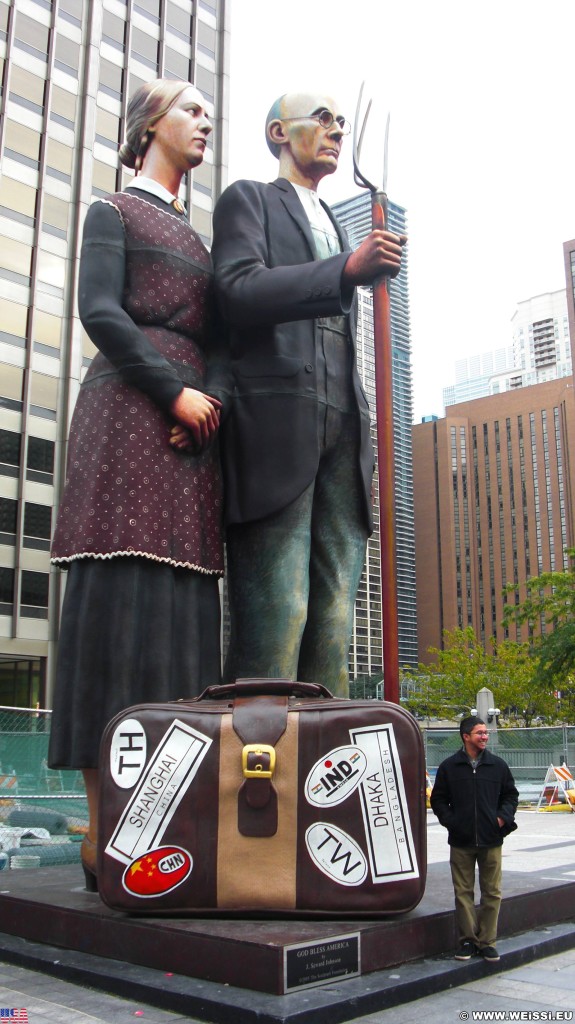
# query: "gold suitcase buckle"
{"type": "Point", "coordinates": [258, 761]}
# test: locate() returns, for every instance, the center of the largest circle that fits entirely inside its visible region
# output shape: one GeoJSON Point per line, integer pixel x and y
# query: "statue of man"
{"type": "Point", "coordinates": [296, 448]}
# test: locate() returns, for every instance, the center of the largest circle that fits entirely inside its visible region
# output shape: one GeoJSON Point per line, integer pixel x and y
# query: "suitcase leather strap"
{"type": "Point", "coordinates": [259, 722]}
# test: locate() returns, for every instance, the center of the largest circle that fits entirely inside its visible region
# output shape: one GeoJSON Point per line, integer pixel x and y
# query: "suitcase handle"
{"type": "Point", "coordinates": [265, 687]}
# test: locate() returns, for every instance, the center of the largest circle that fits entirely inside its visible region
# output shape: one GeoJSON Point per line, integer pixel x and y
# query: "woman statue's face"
{"type": "Point", "coordinates": [181, 133]}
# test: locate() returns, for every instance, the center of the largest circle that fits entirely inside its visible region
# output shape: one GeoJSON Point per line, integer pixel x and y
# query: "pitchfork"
{"type": "Point", "coordinates": [384, 417]}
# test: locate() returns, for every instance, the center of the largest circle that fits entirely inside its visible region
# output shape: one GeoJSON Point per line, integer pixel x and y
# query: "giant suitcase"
{"type": "Point", "coordinates": [263, 796]}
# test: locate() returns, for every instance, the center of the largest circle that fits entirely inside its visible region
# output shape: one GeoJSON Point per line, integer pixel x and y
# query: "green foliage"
{"type": "Point", "coordinates": [448, 688]}
{"type": "Point", "coordinates": [548, 609]}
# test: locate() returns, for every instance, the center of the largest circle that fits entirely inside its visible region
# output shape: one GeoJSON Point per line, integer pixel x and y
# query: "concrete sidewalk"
{"type": "Point", "coordinates": [541, 850]}
{"type": "Point", "coordinates": [546, 986]}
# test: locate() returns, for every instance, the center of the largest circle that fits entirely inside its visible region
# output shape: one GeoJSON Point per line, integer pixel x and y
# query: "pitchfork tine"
{"type": "Point", "coordinates": [358, 177]}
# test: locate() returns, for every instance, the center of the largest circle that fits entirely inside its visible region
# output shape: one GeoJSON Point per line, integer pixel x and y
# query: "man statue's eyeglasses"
{"type": "Point", "coordinates": [325, 118]}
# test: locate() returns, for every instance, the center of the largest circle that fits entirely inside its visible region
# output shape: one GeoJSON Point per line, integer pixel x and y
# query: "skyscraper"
{"type": "Point", "coordinates": [569, 257]}
{"type": "Point", "coordinates": [68, 68]}
{"type": "Point", "coordinates": [366, 651]}
{"type": "Point", "coordinates": [494, 487]}
{"type": "Point", "coordinates": [494, 480]}
{"type": "Point", "coordinates": [538, 350]}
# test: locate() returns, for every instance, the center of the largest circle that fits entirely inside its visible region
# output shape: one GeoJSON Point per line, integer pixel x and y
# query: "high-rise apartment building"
{"type": "Point", "coordinates": [494, 489]}
{"type": "Point", "coordinates": [366, 649]}
{"type": "Point", "coordinates": [494, 480]}
{"type": "Point", "coordinates": [541, 342]}
{"type": "Point", "coordinates": [569, 257]}
{"type": "Point", "coordinates": [538, 350]}
{"type": "Point", "coordinates": [475, 375]}
{"type": "Point", "coordinates": [67, 70]}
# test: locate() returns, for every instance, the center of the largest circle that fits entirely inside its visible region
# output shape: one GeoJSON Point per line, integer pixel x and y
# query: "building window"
{"type": "Point", "coordinates": [176, 65]}
{"type": "Point", "coordinates": [34, 594]}
{"type": "Point", "coordinates": [63, 107]}
{"type": "Point", "coordinates": [145, 48]}
{"type": "Point", "coordinates": [37, 526]}
{"type": "Point", "coordinates": [103, 179]}
{"type": "Point", "coordinates": [10, 445]}
{"type": "Point", "coordinates": [179, 22]}
{"type": "Point", "coordinates": [27, 90]}
{"type": "Point", "coordinates": [22, 144]}
{"type": "Point", "coordinates": [6, 590]}
{"type": "Point", "coordinates": [114, 31]}
{"type": "Point", "coordinates": [40, 462]}
{"type": "Point", "coordinates": [67, 56]}
{"type": "Point", "coordinates": [46, 329]}
{"type": "Point", "coordinates": [18, 201]}
{"type": "Point", "coordinates": [72, 11]}
{"type": "Point", "coordinates": [8, 520]}
{"type": "Point", "coordinates": [149, 8]}
{"type": "Point", "coordinates": [111, 78]}
{"type": "Point", "coordinates": [51, 272]}
{"type": "Point", "coordinates": [107, 129]}
{"type": "Point", "coordinates": [206, 83]}
{"type": "Point", "coordinates": [31, 36]}
{"type": "Point", "coordinates": [206, 40]}
{"type": "Point", "coordinates": [14, 322]}
{"type": "Point", "coordinates": [21, 686]}
{"type": "Point", "coordinates": [15, 261]}
{"type": "Point", "coordinates": [59, 160]}
{"type": "Point", "coordinates": [11, 383]}
{"type": "Point", "coordinates": [44, 396]}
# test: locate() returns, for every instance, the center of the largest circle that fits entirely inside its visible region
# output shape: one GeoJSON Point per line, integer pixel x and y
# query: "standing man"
{"type": "Point", "coordinates": [475, 799]}
{"type": "Point", "coordinates": [296, 446]}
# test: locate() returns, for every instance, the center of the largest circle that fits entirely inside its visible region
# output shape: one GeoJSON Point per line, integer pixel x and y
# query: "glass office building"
{"type": "Point", "coordinates": [67, 70]}
{"type": "Point", "coordinates": [366, 651]}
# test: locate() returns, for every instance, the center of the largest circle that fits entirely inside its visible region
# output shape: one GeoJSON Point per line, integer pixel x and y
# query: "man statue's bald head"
{"type": "Point", "coordinates": [274, 114]}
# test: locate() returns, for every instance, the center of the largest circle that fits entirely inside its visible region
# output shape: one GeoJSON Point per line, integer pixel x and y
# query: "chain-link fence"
{"type": "Point", "coordinates": [43, 813]}
{"type": "Point", "coordinates": [528, 752]}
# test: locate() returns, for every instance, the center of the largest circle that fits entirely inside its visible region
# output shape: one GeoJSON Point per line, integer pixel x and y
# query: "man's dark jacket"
{"type": "Point", "coordinates": [469, 801]}
{"type": "Point", "coordinates": [271, 289]}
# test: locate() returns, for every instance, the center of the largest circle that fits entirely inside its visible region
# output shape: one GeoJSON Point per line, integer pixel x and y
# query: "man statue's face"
{"type": "Point", "coordinates": [314, 143]}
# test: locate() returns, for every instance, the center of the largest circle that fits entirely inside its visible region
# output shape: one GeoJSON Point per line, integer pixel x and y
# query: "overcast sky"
{"type": "Point", "coordinates": [482, 144]}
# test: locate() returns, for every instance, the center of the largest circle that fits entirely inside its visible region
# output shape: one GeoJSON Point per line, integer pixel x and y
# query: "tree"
{"type": "Point", "coordinates": [549, 611]}
{"type": "Point", "coordinates": [448, 688]}
{"type": "Point", "coordinates": [514, 679]}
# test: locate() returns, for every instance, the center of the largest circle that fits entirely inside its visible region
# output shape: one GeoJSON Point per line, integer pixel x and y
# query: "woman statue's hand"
{"type": "Point", "coordinates": [198, 417]}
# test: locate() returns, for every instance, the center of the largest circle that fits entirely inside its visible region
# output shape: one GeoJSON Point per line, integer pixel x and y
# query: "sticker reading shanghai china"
{"type": "Point", "coordinates": [154, 802]}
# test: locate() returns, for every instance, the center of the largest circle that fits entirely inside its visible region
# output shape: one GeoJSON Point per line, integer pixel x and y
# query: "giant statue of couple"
{"type": "Point", "coordinates": [248, 355]}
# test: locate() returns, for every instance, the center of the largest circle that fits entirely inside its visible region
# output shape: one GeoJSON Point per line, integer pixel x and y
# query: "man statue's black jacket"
{"type": "Point", "coordinates": [271, 289]}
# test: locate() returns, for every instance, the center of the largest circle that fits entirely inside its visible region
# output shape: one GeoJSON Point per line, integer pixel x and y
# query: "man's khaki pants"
{"type": "Point", "coordinates": [476, 924]}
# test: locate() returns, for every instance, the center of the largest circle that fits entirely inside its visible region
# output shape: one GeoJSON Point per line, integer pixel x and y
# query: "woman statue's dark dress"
{"type": "Point", "coordinates": [139, 524]}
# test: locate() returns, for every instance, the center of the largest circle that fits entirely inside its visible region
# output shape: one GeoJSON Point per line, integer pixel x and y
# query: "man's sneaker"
{"type": "Point", "coordinates": [466, 951]}
{"type": "Point", "coordinates": [489, 953]}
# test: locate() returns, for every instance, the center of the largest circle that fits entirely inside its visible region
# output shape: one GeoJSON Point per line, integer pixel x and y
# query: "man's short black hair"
{"type": "Point", "coordinates": [469, 723]}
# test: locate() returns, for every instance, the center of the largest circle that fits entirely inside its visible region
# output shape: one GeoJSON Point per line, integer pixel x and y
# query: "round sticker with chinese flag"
{"type": "Point", "coordinates": [157, 872]}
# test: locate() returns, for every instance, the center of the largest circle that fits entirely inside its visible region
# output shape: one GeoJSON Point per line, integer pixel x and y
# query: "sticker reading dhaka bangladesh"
{"type": "Point", "coordinates": [390, 845]}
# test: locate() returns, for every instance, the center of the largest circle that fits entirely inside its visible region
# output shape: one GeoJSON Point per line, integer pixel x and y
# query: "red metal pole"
{"type": "Point", "coordinates": [384, 415]}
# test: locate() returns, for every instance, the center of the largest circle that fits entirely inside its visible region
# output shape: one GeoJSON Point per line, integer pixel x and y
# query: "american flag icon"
{"type": "Point", "coordinates": [15, 1013]}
